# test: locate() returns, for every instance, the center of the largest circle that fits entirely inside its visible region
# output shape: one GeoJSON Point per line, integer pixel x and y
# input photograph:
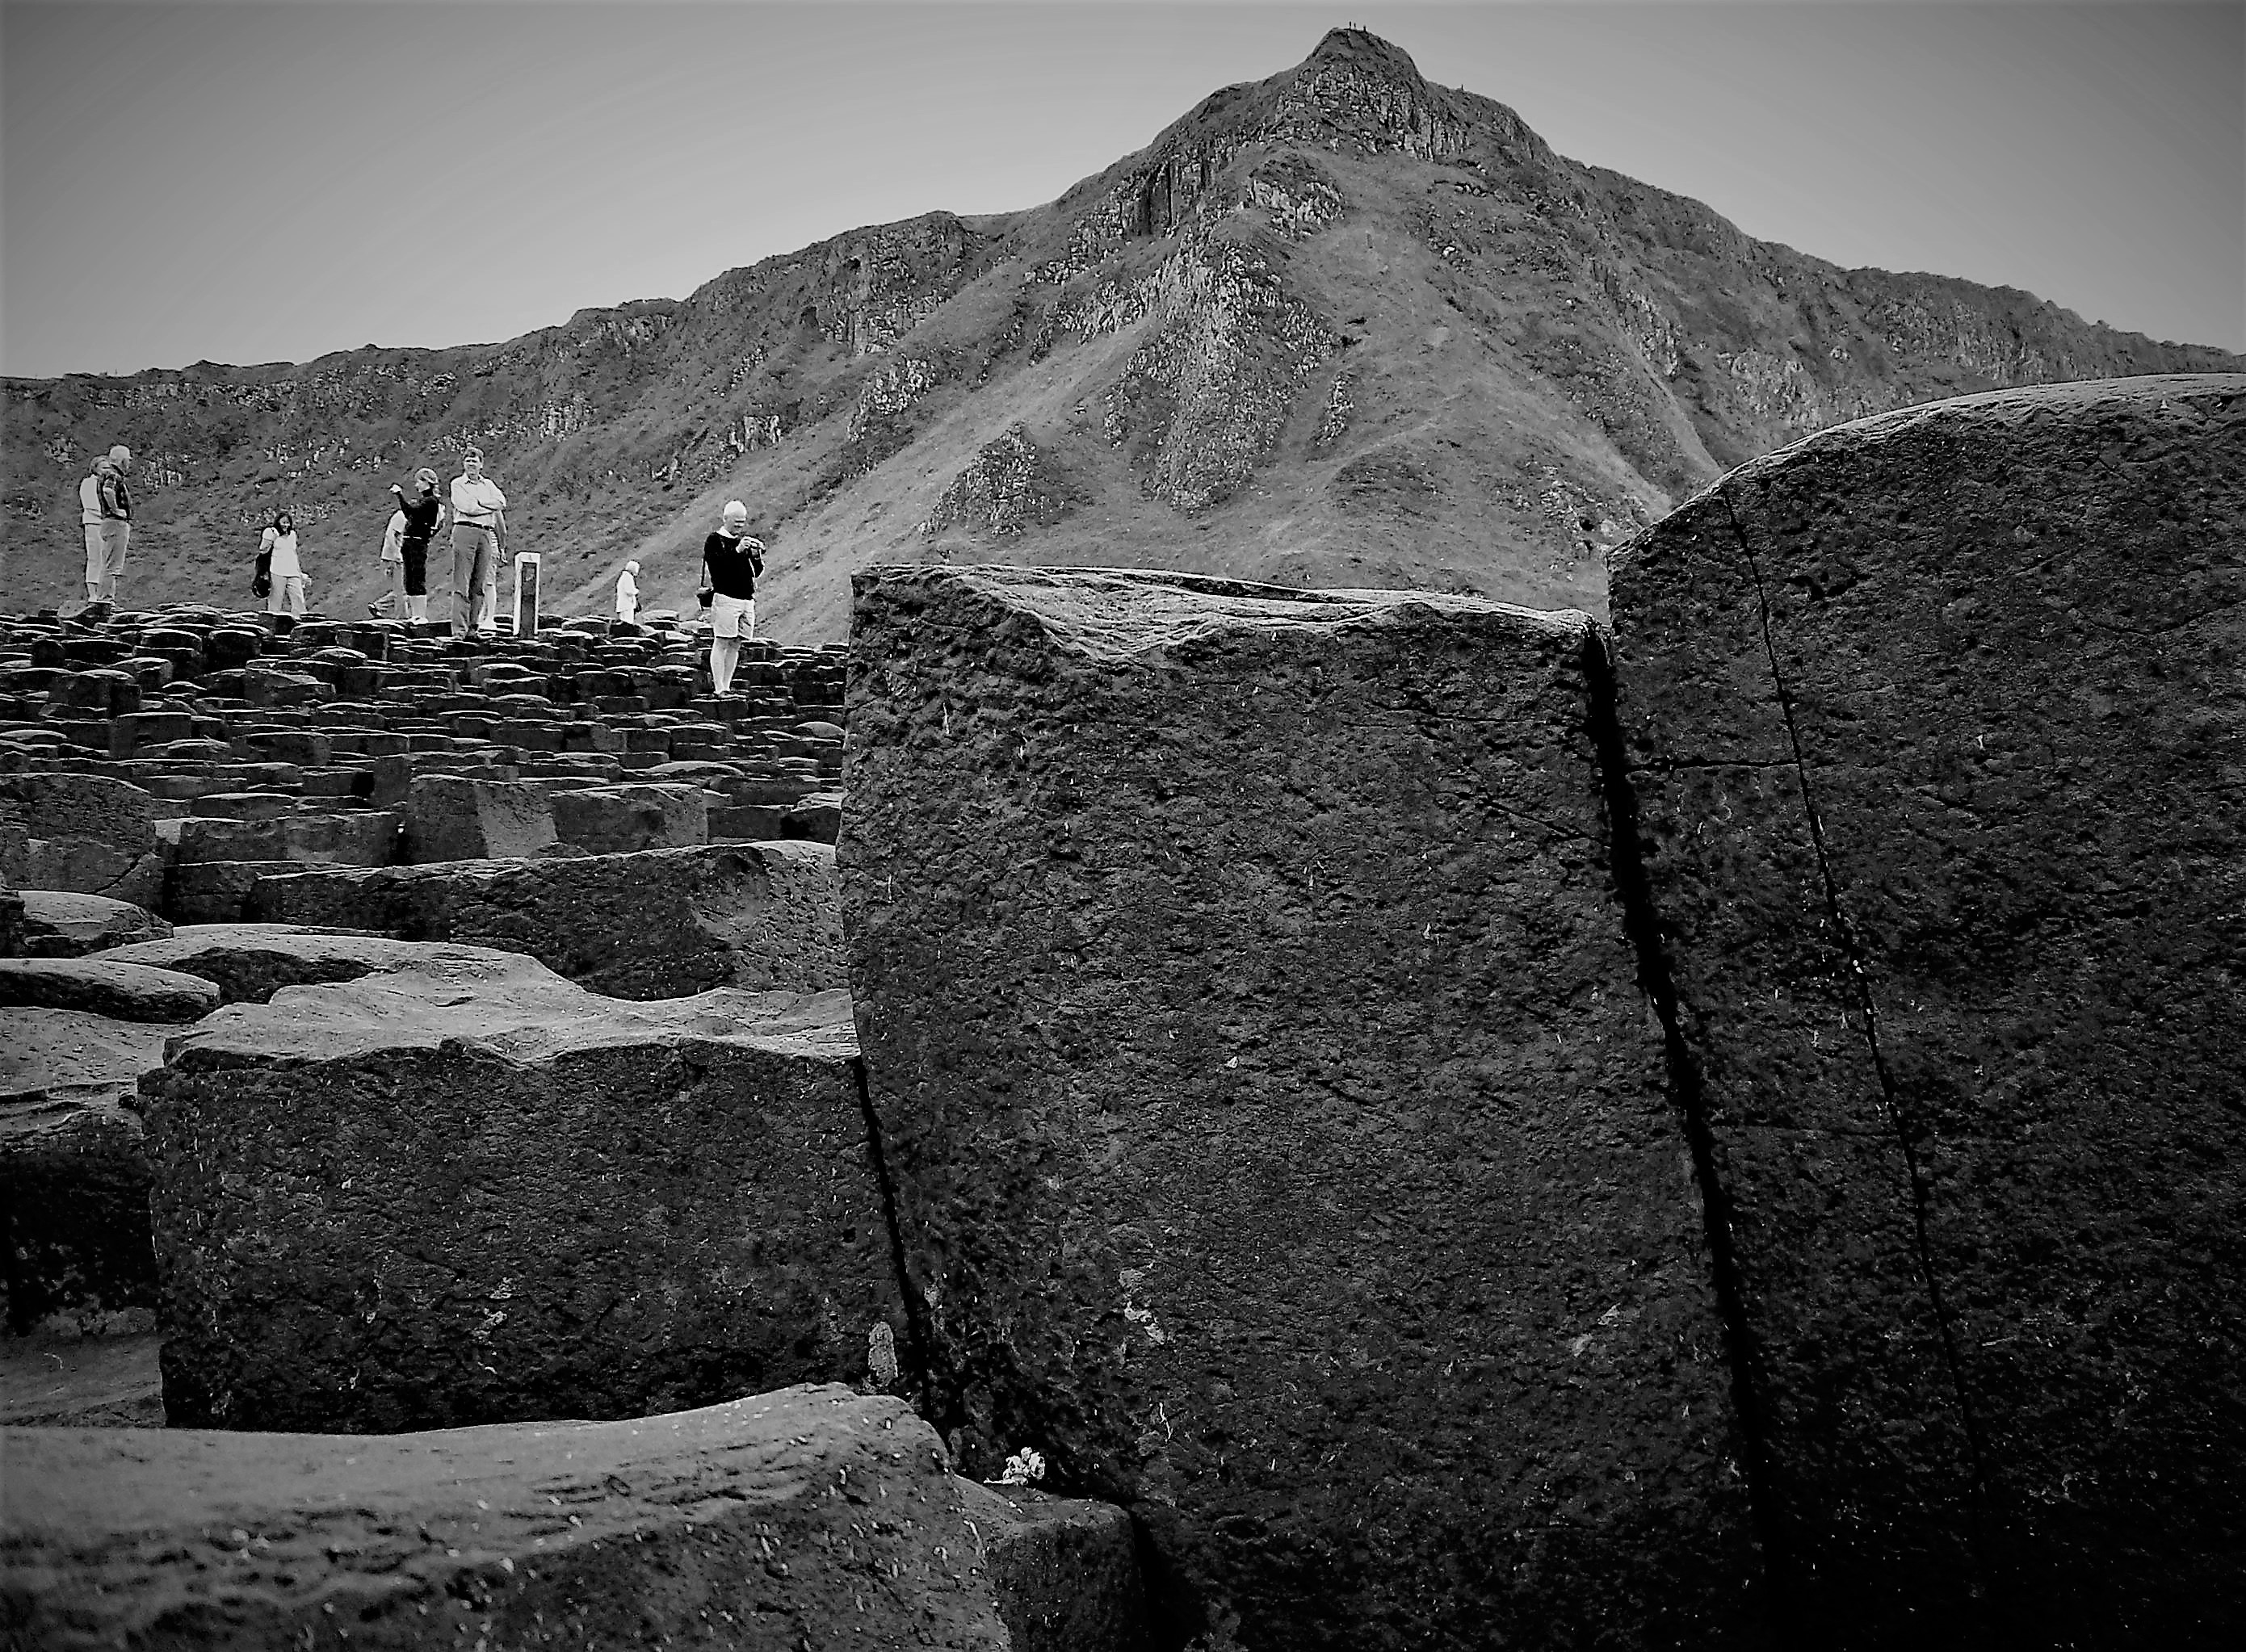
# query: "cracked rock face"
{"type": "Point", "coordinates": [1277, 1137]}
{"type": "Point", "coordinates": [1937, 727]}
{"type": "Point", "coordinates": [465, 1191]}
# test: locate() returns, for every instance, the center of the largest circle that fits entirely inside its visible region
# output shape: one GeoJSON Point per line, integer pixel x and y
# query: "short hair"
{"type": "Point", "coordinates": [475, 453]}
{"type": "Point", "coordinates": [121, 452]}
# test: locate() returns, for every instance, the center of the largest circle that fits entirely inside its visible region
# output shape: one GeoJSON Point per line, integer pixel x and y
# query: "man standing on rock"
{"type": "Point", "coordinates": [479, 535]}
{"type": "Point", "coordinates": [731, 559]}
{"type": "Point", "coordinates": [105, 512]}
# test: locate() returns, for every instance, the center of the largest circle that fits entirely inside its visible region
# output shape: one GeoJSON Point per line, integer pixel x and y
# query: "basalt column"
{"type": "Point", "coordinates": [1277, 1137]}
{"type": "Point", "coordinates": [1936, 730]}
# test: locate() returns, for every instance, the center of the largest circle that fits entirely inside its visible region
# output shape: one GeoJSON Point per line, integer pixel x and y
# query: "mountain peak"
{"type": "Point", "coordinates": [1359, 49]}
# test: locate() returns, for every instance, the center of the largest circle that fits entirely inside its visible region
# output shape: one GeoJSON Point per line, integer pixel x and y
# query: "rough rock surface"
{"type": "Point", "coordinates": [809, 1517]}
{"type": "Point", "coordinates": [1066, 1570]}
{"type": "Point", "coordinates": [660, 924]}
{"type": "Point", "coordinates": [87, 834]}
{"type": "Point", "coordinates": [249, 963]}
{"type": "Point", "coordinates": [1936, 730]}
{"type": "Point", "coordinates": [624, 820]}
{"type": "Point", "coordinates": [60, 923]}
{"type": "Point", "coordinates": [105, 985]}
{"type": "Point", "coordinates": [453, 817]}
{"type": "Point", "coordinates": [74, 1381]}
{"type": "Point", "coordinates": [1278, 1138]}
{"type": "Point", "coordinates": [468, 1191]}
{"type": "Point", "coordinates": [74, 1176]}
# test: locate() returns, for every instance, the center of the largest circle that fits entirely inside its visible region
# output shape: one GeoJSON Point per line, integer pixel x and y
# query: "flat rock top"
{"type": "Point", "coordinates": [90, 1487]}
{"type": "Point", "coordinates": [199, 943]}
{"type": "Point", "coordinates": [67, 1054]}
{"type": "Point", "coordinates": [1119, 612]}
{"type": "Point", "coordinates": [508, 1006]}
{"type": "Point", "coordinates": [103, 985]}
{"type": "Point", "coordinates": [62, 911]}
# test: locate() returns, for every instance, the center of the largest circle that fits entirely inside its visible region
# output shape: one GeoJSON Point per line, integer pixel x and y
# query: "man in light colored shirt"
{"type": "Point", "coordinates": [479, 535]}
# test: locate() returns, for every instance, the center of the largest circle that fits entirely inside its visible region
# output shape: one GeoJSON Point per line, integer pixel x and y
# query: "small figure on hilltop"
{"type": "Point", "coordinates": [105, 512]}
{"type": "Point", "coordinates": [628, 594]}
{"type": "Point", "coordinates": [479, 536]}
{"type": "Point", "coordinates": [278, 565]}
{"type": "Point", "coordinates": [425, 515]}
{"type": "Point", "coordinates": [731, 559]}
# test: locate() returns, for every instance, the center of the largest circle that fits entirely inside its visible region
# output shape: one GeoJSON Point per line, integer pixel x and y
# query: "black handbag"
{"type": "Point", "coordinates": [260, 583]}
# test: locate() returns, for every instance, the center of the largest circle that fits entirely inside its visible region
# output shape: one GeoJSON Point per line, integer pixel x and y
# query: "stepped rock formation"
{"type": "Point", "coordinates": [1337, 327]}
{"type": "Point", "coordinates": [1259, 992]}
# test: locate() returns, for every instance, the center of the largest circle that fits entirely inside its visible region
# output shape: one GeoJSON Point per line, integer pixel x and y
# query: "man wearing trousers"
{"type": "Point", "coordinates": [479, 535]}
{"type": "Point", "coordinates": [105, 512]}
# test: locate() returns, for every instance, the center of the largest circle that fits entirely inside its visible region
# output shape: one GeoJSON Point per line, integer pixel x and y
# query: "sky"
{"type": "Point", "coordinates": [244, 182]}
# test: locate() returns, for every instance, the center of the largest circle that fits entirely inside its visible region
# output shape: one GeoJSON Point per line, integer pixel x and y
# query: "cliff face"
{"type": "Point", "coordinates": [1340, 327]}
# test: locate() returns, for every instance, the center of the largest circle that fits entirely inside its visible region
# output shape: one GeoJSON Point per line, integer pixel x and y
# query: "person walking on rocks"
{"type": "Point", "coordinates": [276, 550]}
{"type": "Point", "coordinates": [105, 512]}
{"type": "Point", "coordinates": [423, 514]}
{"type": "Point", "coordinates": [628, 594]}
{"type": "Point", "coordinates": [479, 535]}
{"type": "Point", "coordinates": [731, 559]}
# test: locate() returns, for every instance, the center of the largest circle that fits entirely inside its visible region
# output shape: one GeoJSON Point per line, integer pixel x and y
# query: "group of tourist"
{"type": "Point", "coordinates": [732, 558]}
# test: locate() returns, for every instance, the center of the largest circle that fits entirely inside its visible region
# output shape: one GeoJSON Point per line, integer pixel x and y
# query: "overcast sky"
{"type": "Point", "coordinates": [249, 182]}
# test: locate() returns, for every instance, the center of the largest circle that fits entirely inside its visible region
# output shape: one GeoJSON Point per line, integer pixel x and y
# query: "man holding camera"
{"type": "Point", "coordinates": [731, 559]}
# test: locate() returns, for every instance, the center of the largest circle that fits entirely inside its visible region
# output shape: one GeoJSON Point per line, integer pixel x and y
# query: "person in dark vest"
{"type": "Point", "coordinates": [731, 559]}
{"type": "Point", "coordinates": [105, 512]}
{"type": "Point", "coordinates": [424, 516]}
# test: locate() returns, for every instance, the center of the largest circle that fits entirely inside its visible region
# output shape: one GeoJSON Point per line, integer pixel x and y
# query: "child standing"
{"type": "Point", "coordinates": [393, 565]}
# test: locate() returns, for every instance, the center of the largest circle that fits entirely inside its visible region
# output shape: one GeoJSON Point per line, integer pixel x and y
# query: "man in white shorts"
{"type": "Point", "coordinates": [731, 559]}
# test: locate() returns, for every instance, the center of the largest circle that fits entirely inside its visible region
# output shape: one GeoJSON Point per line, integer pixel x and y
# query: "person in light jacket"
{"type": "Point", "coordinates": [105, 512]}
{"type": "Point", "coordinates": [628, 594]}
{"type": "Point", "coordinates": [479, 536]}
{"type": "Point", "coordinates": [278, 546]}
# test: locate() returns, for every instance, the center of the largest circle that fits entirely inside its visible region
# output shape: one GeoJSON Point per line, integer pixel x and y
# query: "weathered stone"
{"type": "Point", "coordinates": [86, 834]}
{"type": "Point", "coordinates": [208, 892]}
{"type": "Point", "coordinates": [61, 924]}
{"type": "Point", "coordinates": [454, 817]}
{"type": "Point", "coordinates": [468, 1191]}
{"type": "Point", "coordinates": [103, 985]}
{"type": "Point", "coordinates": [812, 1516]}
{"type": "Point", "coordinates": [660, 924]}
{"type": "Point", "coordinates": [817, 817]}
{"type": "Point", "coordinates": [1936, 730]}
{"type": "Point", "coordinates": [249, 963]}
{"type": "Point", "coordinates": [1278, 1138]}
{"type": "Point", "coordinates": [622, 819]}
{"type": "Point", "coordinates": [74, 1381]}
{"type": "Point", "coordinates": [1065, 1571]}
{"type": "Point", "coordinates": [73, 1175]}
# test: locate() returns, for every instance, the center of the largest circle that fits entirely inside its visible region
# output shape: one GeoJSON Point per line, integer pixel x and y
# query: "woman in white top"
{"type": "Point", "coordinates": [479, 534]}
{"type": "Point", "coordinates": [628, 594]}
{"type": "Point", "coordinates": [279, 546]}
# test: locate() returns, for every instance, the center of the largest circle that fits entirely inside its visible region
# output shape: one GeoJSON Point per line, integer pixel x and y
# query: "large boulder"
{"type": "Point", "coordinates": [454, 817]}
{"type": "Point", "coordinates": [809, 1517]}
{"type": "Point", "coordinates": [74, 1174]}
{"type": "Point", "coordinates": [1936, 727]}
{"type": "Point", "coordinates": [659, 924]}
{"type": "Point", "coordinates": [62, 923]}
{"type": "Point", "coordinates": [467, 1191]}
{"type": "Point", "coordinates": [623, 820]}
{"type": "Point", "coordinates": [86, 834]}
{"type": "Point", "coordinates": [1278, 1136]}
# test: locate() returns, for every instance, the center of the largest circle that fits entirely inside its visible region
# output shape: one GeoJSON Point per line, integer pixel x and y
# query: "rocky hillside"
{"type": "Point", "coordinates": [1337, 327]}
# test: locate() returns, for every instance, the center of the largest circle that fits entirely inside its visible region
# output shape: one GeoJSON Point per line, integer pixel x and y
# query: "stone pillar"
{"type": "Point", "coordinates": [1936, 728]}
{"type": "Point", "coordinates": [1277, 1134]}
